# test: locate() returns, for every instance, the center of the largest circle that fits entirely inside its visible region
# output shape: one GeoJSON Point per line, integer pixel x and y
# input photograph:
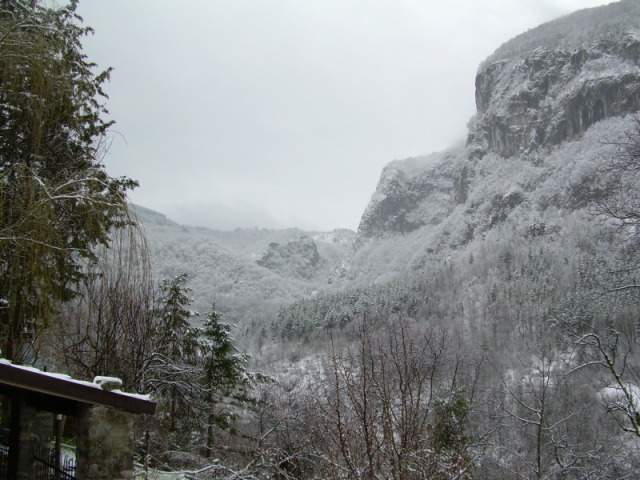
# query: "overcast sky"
{"type": "Point", "coordinates": [282, 113]}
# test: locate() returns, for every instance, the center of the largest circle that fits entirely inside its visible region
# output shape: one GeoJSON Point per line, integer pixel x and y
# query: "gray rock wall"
{"type": "Point", "coordinates": [552, 95]}
{"type": "Point", "coordinates": [299, 257]}
{"type": "Point", "coordinates": [396, 206]}
{"type": "Point", "coordinates": [104, 444]}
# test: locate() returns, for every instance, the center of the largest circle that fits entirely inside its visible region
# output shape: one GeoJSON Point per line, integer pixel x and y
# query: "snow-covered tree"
{"type": "Point", "coordinates": [394, 405]}
{"type": "Point", "coordinates": [56, 200]}
{"type": "Point", "coordinates": [611, 341]}
{"type": "Point", "coordinates": [176, 369]}
{"type": "Point", "coordinates": [225, 374]}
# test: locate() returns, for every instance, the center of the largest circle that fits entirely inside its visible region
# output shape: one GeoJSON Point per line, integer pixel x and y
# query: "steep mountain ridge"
{"type": "Point", "coordinates": [549, 96]}
{"type": "Point", "coordinates": [571, 32]}
{"type": "Point", "coordinates": [552, 83]}
{"type": "Point", "coordinates": [551, 104]}
{"type": "Point", "coordinates": [403, 187]}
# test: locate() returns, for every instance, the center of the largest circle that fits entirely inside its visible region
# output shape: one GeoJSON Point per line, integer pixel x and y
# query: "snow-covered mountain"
{"type": "Point", "coordinates": [247, 272]}
{"type": "Point", "coordinates": [552, 83]}
{"type": "Point", "coordinates": [492, 249]}
{"type": "Point", "coordinates": [551, 103]}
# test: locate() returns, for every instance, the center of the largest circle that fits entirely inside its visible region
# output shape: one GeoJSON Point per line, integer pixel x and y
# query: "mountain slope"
{"type": "Point", "coordinates": [239, 270]}
{"type": "Point", "coordinates": [551, 104]}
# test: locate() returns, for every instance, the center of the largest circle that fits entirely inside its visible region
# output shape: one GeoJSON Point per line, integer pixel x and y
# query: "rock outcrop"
{"type": "Point", "coordinates": [540, 89]}
{"type": "Point", "coordinates": [299, 257]}
{"type": "Point", "coordinates": [551, 104]}
{"type": "Point", "coordinates": [404, 186]}
{"type": "Point", "coordinates": [585, 69]}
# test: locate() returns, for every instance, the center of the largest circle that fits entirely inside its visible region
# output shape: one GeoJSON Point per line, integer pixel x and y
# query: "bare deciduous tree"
{"type": "Point", "coordinates": [394, 405]}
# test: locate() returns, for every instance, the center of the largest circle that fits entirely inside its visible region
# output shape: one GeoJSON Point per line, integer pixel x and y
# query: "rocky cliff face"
{"type": "Point", "coordinates": [404, 186]}
{"type": "Point", "coordinates": [583, 68]}
{"type": "Point", "coordinates": [544, 87]}
{"type": "Point", "coordinates": [299, 258]}
{"type": "Point", "coordinates": [550, 103]}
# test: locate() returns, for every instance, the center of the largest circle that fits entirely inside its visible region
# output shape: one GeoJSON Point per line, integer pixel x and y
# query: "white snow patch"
{"type": "Point", "coordinates": [615, 394]}
{"type": "Point", "coordinates": [67, 378]}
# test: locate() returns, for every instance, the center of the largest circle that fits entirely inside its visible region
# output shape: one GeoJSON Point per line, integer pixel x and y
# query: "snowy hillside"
{"type": "Point", "coordinates": [495, 259]}
{"type": "Point", "coordinates": [550, 103]}
{"type": "Point", "coordinates": [247, 270]}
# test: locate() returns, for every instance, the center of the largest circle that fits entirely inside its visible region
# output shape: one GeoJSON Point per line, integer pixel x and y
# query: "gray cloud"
{"type": "Point", "coordinates": [222, 217]}
{"type": "Point", "coordinates": [289, 109]}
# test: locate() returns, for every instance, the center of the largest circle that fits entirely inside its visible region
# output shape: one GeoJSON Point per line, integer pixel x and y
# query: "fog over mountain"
{"type": "Point", "coordinates": [549, 102]}
{"type": "Point", "coordinates": [288, 110]}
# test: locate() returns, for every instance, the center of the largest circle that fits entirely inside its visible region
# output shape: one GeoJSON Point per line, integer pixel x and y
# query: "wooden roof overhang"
{"type": "Point", "coordinates": [61, 394]}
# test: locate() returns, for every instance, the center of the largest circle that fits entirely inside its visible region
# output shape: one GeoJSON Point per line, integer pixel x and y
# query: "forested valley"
{"type": "Point", "coordinates": [482, 323]}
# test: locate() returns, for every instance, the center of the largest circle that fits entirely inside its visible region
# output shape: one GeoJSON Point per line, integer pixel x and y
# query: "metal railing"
{"type": "Point", "coordinates": [46, 468]}
{"type": "Point", "coordinates": [4, 459]}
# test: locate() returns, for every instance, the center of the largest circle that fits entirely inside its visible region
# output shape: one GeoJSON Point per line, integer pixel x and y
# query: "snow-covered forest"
{"type": "Point", "coordinates": [481, 323]}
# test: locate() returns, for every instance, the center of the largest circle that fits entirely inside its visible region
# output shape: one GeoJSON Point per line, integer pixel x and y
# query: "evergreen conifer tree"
{"type": "Point", "coordinates": [57, 203]}
{"type": "Point", "coordinates": [225, 374]}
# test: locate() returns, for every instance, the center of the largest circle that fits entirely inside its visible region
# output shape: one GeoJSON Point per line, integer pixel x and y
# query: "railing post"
{"type": "Point", "coordinates": [58, 449]}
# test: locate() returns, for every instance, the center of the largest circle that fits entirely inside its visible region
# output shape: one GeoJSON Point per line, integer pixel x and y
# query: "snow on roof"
{"type": "Point", "coordinates": [63, 386]}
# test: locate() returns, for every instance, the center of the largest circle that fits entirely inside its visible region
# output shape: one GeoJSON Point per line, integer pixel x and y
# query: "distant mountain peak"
{"type": "Point", "coordinates": [151, 217]}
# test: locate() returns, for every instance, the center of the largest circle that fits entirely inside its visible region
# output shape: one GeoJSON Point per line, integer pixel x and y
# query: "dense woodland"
{"type": "Point", "coordinates": [516, 356]}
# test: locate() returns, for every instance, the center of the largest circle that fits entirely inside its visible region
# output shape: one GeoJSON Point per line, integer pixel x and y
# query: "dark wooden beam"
{"type": "Point", "coordinates": [40, 401]}
{"type": "Point", "coordinates": [65, 389]}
